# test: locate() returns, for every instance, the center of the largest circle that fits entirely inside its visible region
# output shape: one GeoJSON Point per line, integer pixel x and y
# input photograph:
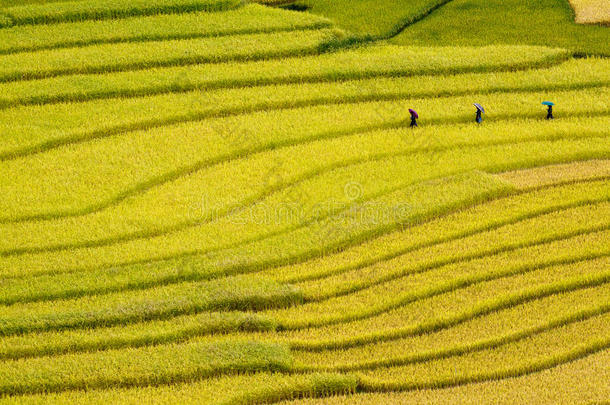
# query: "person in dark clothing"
{"type": "Point", "coordinates": [479, 117]}
{"type": "Point", "coordinates": [414, 117]}
{"type": "Point", "coordinates": [549, 105]}
{"type": "Point", "coordinates": [480, 111]}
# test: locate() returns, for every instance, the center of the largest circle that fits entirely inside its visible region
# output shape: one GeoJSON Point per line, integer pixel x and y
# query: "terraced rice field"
{"type": "Point", "coordinates": [211, 201]}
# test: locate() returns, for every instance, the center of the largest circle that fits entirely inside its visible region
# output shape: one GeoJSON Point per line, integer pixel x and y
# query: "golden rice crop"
{"type": "Point", "coordinates": [131, 56]}
{"type": "Point", "coordinates": [140, 366]}
{"type": "Point", "coordinates": [219, 202]}
{"type": "Point", "coordinates": [380, 61]}
{"type": "Point", "coordinates": [533, 208]}
{"type": "Point", "coordinates": [259, 223]}
{"type": "Point", "coordinates": [553, 174]}
{"type": "Point", "coordinates": [215, 325]}
{"type": "Point", "coordinates": [580, 380]}
{"type": "Point", "coordinates": [484, 219]}
{"type": "Point", "coordinates": [223, 139]}
{"type": "Point", "coordinates": [63, 11]}
{"type": "Point", "coordinates": [248, 19]}
{"type": "Point", "coordinates": [155, 208]}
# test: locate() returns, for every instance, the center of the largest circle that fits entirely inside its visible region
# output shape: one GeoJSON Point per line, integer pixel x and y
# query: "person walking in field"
{"type": "Point", "coordinates": [480, 111]}
{"type": "Point", "coordinates": [414, 117]}
{"type": "Point", "coordinates": [549, 114]}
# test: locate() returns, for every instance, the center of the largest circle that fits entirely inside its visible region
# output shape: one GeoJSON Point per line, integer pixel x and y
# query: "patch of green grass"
{"type": "Point", "coordinates": [484, 22]}
{"type": "Point", "coordinates": [149, 333]}
{"type": "Point", "coordinates": [100, 366]}
{"type": "Point", "coordinates": [379, 19]}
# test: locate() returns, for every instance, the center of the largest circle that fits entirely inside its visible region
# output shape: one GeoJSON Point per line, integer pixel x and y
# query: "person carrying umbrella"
{"type": "Point", "coordinates": [414, 117]}
{"type": "Point", "coordinates": [480, 111]}
{"type": "Point", "coordinates": [549, 114]}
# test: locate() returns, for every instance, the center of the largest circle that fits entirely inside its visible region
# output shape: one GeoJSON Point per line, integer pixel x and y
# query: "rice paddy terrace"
{"type": "Point", "coordinates": [212, 201]}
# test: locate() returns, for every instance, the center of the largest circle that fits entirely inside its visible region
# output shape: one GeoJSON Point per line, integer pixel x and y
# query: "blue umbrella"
{"type": "Point", "coordinates": [479, 107]}
{"type": "Point", "coordinates": [549, 103]}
